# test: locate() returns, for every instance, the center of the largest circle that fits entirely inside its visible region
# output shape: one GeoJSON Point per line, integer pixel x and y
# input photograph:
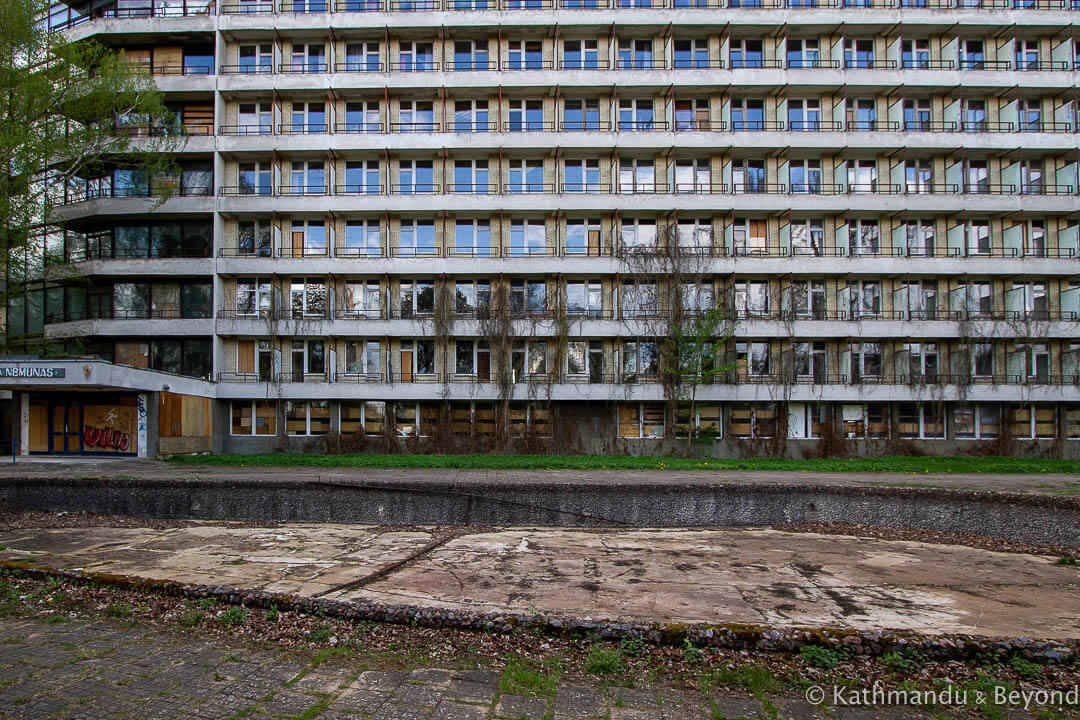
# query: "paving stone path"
{"type": "Point", "coordinates": [82, 669]}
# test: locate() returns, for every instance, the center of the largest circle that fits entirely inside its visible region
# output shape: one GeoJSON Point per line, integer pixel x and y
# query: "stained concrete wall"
{"type": "Point", "coordinates": [1039, 519]}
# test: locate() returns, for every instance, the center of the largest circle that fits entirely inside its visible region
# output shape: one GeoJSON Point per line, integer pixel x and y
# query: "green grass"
{"type": "Point", "coordinates": [602, 462]}
{"type": "Point", "coordinates": [525, 677]}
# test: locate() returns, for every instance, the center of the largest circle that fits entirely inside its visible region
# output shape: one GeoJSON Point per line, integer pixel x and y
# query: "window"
{"type": "Point", "coordinates": [808, 237]}
{"type": "Point", "coordinates": [255, 118]}
{"type": "Point", "coordinates": [472, 237]}
{"type": "Point", "coordinates": [362, 416]}
{"type": "Point", "coordinates": [528, 297]}
{"type": "Point", "coordinates": [362, 177]}
{"type": "Point", "coordinates": [804, 115]}
{"type": "Point", "coordinates": [254, 179]}
{"type": "Point", "coordinates": [471, 355]}
{"type": "Point", "coordinates": [1030, 113]}
{"type": "Point", "coordinates": [753, 420]}
{"type": "Point", "coordinates": [691, 53]}
{"type": "Point", "coordinates": [810, 361]}
{"type": "Point", "coordinates": [638, 235]}
{"type": "Point", "coordinates": [862, 115]}
{"type": "Point", "coordinates": [471, 116]}
{"type": "Point", "coordinates": [752, 360]}
{"type": "Point", "coordinates": [639, 298]}
{"type": "Point", "coordinates": [416, 116]}
{"type": "Point", "coordinates": [858, 53]}
{"type": "Point", "coordinates": [803, 53]}
{"type": "Point", "coordinates": [869, 420]}
{"type": "Point", "coordinates": [862, 176]}
{"type": "Point", "coordinates": [973, 298]}
{"type": "Point", "coordinates": [580, 54]}
{"type": "Point", "coordinates": [915, 54]}
{"type": "Point", "coordinates": [641, 359]}
{"type": "Point", "coordinates": [864, 237]}
{"type": "Point", "coordinates": [470, 55]}
{"type": "Point", "coordinates": [752, 298]}
{"type": "Point", "coordinates": [362, 117]}
{"type": "Point", "coordinates": [864, 299]}
{"type": "Point", "coordinates": [696, 297]}
{"type": "Point", "coordinates": [975, 116]}
{"type": "Point", "coordinates": [362, 57]}
{"type": "Point", "coordinates": [415, 176]}
{"type": "Point", "coordinates": [636, 115]}
{"type": "Point", "coordinates": [258, 58]}
{"type": "Point", "coordinates": [865, 361]}
{"type": "Point", "coordinates": [917, 116]}
{"type": "Point", "coordinates": [1032, 178]}
{"type": "Point", "coordinates": [693, 176]}
{"type": "Point", "coordinates": [583, 237]}
{"type": "Point", "coordinates": [362, 358]}
{"type": "Point", "coordinates": [254, 417]}
{"type": "Point", "coordinates": [308, 238]}
{"type": "Point", "coordinates": [525, 55]}
{"type": "Point", "coordinates": [417, 358]}
{"type": "Point", "coordinates": [581, 115]}
{"type": "Point", "coordinates": [362, 299]}
{"type": "Point", "coordinates": [406, 419]}
{"type": "Point", "coordinates": [307, 417]}
{"type": "Point", "coordinates": [747, 114]}
{"type": "Point", "coordinates": [308, 297]}
{"type": "Point", "coordinates": [923, 362]}
{"type": "Point", "coordinates": [805, 176]}
{"type": "Point", "coordinates": [417, 237]}
{"type": "Point", "coordinates": [308, 178]}
{"type": "Point", "coordinates": [637, 176]}
{"type": "Point", "coordinates": [416, 297]}
{"type": "Point", "coordinates": [748, 176]}
{"type": "Point", "coordinates": [976, 422]}
{"type": "Point", "coordinates": [695, 235]}
{"type": "Point", "coordinates": [471, 176]}
{"type": "Point", "coordinates": [920, 237]}
{"type": "Point", "coordinates": [308, 358]}
{"type": "Point", "coordinates": [1027, 55]}
{"type": "Point", "coordinates": [747, 54]}
{"type": "Point", "coordinates": [195, 300]}
{"type": "Point", "coordinates": [253, 237]}
{"type": "Point", "coordinates": [1035, 238]}
{"type": "Point", "coordinates": [182, 357]}
{"type": "Point", "coordinates": [692, 114]}
{"type": "Point", "coordinates": [253, 297]}
{"type": "Point", "coordinates": [977, 178]}
{"type": "Point", "coordinates": [309, 58]}
{"type": "Point", "coordinates": [472, 298]}
{"type": "Point", "coordinates": [982, 360]}
{"type": "Point", "coordinates": [1031, 422]}
{"type": "Point", "coordinates": [526, 176]}
{"type": "Point", "coordinates": [921, 420]}
{"type": "Point", "coordinates": [641, 420]}
{"type": "Point", "coordinates": [978, 237]}
{"type": "Point", "coordinates": [749, 236]}
{"type": "Point", "coordinates": [584, 297]}
{"type": "Point", "coordinates": [416, 57]}
{"type": "Point", "coordinates": [363, 238]}
{"type": "Point", "coordinates": [526, 116]}
{"type": "Point", "coordinates": [581, 176]}
{"type": "Point", "coordinates": [635, 54]}
{"type": "Point", "coordinates": [527, 237]}
{"type": "Point", "coordinates": [808, 299]}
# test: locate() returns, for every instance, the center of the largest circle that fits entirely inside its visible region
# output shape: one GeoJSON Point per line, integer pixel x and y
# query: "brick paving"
{"type": "Point", "coordinates": [87, 669]}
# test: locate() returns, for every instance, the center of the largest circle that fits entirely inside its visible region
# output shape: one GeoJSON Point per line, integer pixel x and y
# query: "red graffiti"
{"type": "Point", "coordinates": [106, 438]}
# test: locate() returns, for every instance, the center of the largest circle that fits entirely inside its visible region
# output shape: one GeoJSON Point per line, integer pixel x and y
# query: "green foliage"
{"type": "Point", "coordinates": [1025, 668]}
{"type": "Point", "coordinates": [1066, 560]}
{"type": "Point", "coordinates": [207, 603]}
{"type": "Point", "coordinates": [233, 616]}
{"type": "Point", "coordinates": [56, 618]}
{"type": "Point", "coordinates": [320, 634]}
{"type": "Point", "coordinates": [692, 653]}
{"type": "Point", "coordinates": [893, 464]}
{"type": "Point", "coordinates": [602, 662]}
{"type": "Point", "coordinates": [527, 677]}
{"type": "Point", "coordinates": [271, 614]}
{"type": "Point", "coordinates": [907, 661]}
{"type": "Point", "coordinates": [118, 610]}
{"type": "Point", "coordinates": [634, 646]}
{"type": "Point", "coordinates": [822, 657]}
{"type": "Point", "coordinates": [191, 618]}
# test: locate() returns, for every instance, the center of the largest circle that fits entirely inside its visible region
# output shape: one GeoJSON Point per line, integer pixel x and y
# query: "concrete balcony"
{"type": "Point", "coordinates": [134, 327]}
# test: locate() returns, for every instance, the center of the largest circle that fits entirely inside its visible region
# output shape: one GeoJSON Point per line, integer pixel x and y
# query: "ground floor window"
{"type": "Point", "coordinates": [406, 419]}
{"type": "Point", "coordinates": [1034, 421]}
{"type": "Point", "coordinates": [976, 422]}
{"type": "Point", "coordinates": [311, 417]}
{"type": "Point", "coordinates": [1072, 422]}
{"type": "Point", "coordinates": [753, 420]}
{"type": "Point", "coordinates": [363, 416]}
{"type": "Point", "coordinates": [920, 420]}
{"type": "Point", "coordinates": [254, 417]}
{"type": "Point", "coordinates": [641, 420]}
{"type": "Point", "coordinates": [806, 420]}
{"type": "Point", "coordinates": [706, 421]}
{"type": "Point", "coordinates": [865, 421]}
{"type": "Point", "coordinates": [530, 418]}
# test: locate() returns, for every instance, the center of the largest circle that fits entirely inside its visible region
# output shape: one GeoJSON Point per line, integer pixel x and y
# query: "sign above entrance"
{"type": "Point", "coordinates": [42, 373]}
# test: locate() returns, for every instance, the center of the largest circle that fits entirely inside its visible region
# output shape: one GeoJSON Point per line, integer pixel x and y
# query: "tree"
{"type": "Point", "coordinates": [70, 111]}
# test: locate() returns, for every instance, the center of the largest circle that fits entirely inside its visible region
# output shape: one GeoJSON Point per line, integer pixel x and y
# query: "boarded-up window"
{"type": "Point", "coordinates": [352, 417]}
{"type": "Point", "coordinates": [374, 418]}
{"type": "Point", "coordinates": [709, 420]}
{"type": "Point", "coordinates": [245, 356]}
{"type": "Point", "coordinates": [741, 425]}
{"type": "Point", "coordinates": [1045, 421]}
{"type": "Point", "coordinates": [629, 420]}
{"type": "Point", "coordinates": [320, 417]}
{"type": "Point", "coordinates": [484, 417]}
{"type": "Point", "coordinates": [461, 419]}
{"type": "Point", "coordinates": [652, 420]}
{"type": "Point", "coordinates": [1021, 422]}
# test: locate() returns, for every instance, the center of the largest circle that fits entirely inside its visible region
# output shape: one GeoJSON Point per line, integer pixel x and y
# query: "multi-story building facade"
{"type": "Point", "coordinates": [432, 217]}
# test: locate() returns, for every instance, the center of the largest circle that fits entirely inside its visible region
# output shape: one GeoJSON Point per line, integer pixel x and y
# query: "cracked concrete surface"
{"type": "Point", "coordinates": [681, 575]}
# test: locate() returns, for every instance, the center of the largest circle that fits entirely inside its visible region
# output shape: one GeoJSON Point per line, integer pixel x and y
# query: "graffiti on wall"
{"type": "Point", "coordinates": [109, 428]}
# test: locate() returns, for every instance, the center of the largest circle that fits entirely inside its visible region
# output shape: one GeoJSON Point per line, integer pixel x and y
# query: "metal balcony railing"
{"type": "Point", "coordinates": [812, 64]}
{"type": "Point", "coordinates": [265, 129]}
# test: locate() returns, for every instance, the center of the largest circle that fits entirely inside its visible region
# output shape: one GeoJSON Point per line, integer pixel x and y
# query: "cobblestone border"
{"type": "Point", "coordinates": [738, 636]}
